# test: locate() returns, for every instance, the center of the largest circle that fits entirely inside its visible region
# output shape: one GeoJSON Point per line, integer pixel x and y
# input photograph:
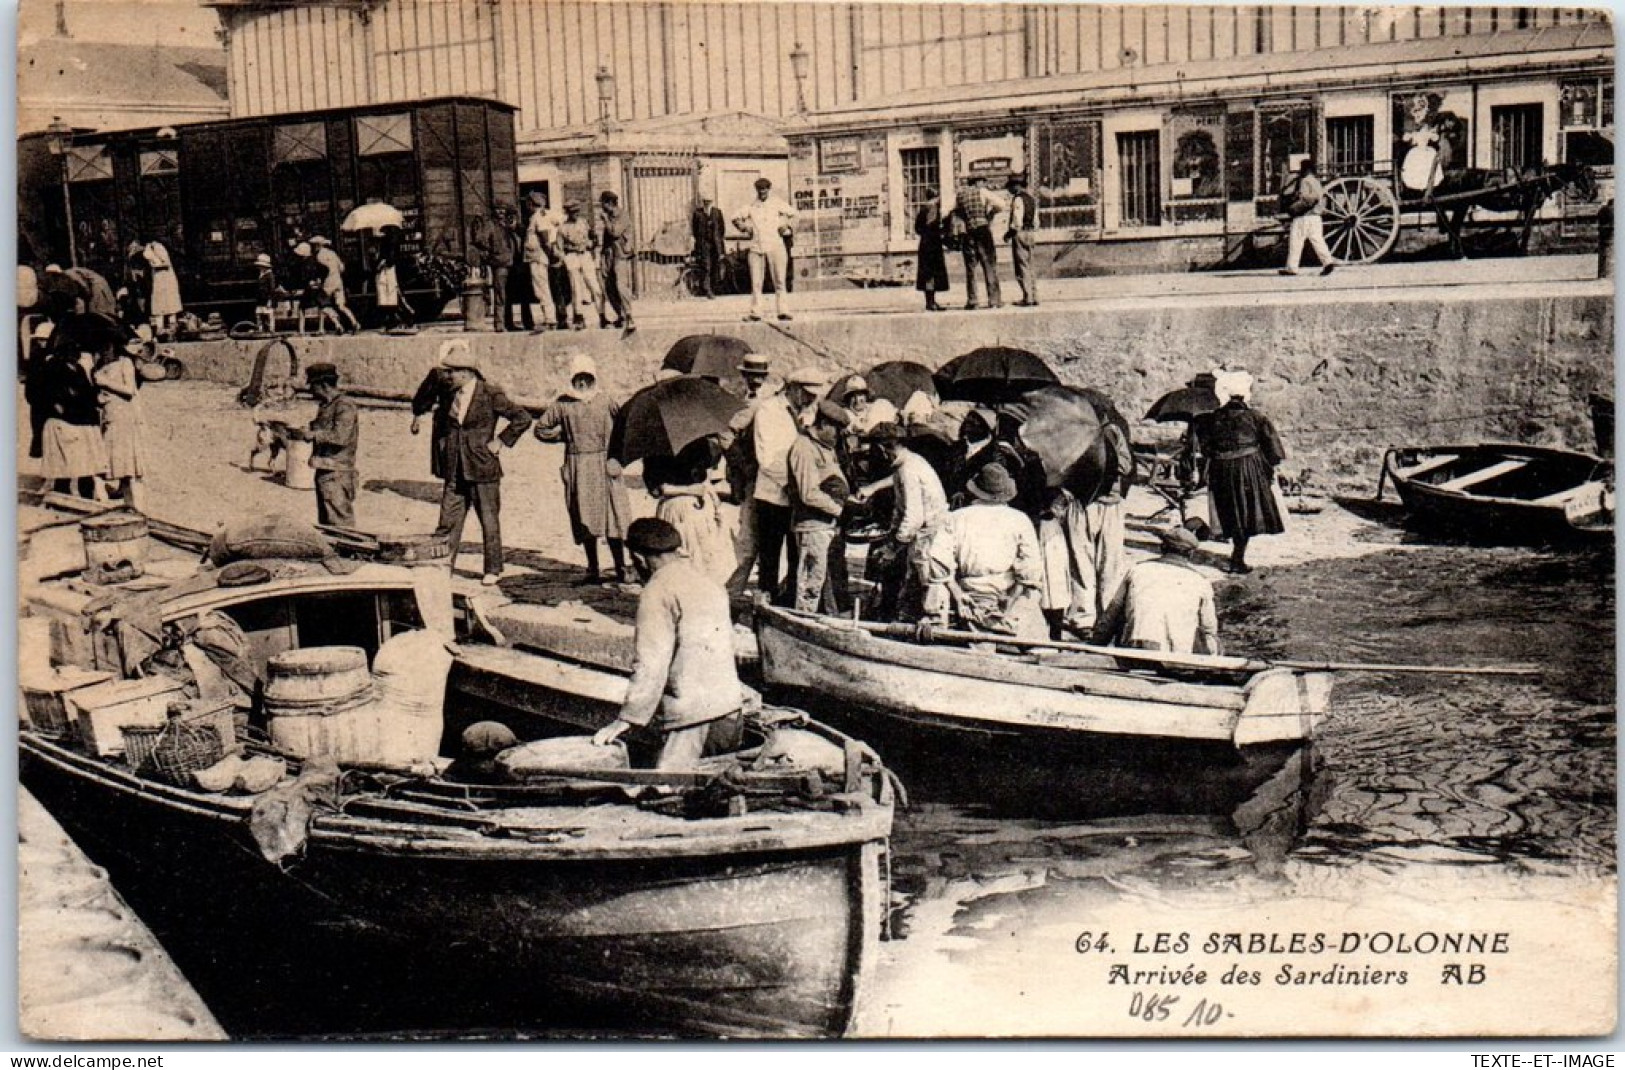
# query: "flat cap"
{"type": "Point", "coordinates": [651, 535]}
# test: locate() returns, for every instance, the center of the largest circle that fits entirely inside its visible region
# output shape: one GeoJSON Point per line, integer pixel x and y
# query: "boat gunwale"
{"type": "Point", "coordinates": [1403, 482]}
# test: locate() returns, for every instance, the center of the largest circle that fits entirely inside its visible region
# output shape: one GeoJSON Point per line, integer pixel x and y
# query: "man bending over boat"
{"type": "Point", "coordinates": [684, 683]}
{"type": "Point", "coordinates": [1164, 603]}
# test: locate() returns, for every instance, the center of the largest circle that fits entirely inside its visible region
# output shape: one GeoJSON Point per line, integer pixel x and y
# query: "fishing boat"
{"type": "Point", "coordinates": [1504, 492]}
{"type": "Point", "coordinates": [978, 687]}
{"type": "Point", "coordinates": [740, 898]}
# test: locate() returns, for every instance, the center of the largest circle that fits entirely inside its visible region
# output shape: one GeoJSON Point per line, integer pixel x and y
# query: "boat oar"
{"type": "Point", "coordinates": [1508, 669]}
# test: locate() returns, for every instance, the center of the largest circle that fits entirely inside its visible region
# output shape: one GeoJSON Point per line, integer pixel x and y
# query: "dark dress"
{"type": "Point", "coordinates": [932, 274]}
{"type": "Point", "coordinates": [1242, 450]}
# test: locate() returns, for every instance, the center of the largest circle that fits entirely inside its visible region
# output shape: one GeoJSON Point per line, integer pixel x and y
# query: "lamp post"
{"type": "Point", "coordinates": [799, 58]}
{"type": "Point", "coordinates": [59, 141]}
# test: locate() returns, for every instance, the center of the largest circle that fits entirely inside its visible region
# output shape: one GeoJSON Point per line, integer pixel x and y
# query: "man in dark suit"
{"type": "Point", "coordinates": [709, 244]}
{"type": "Point", "coordinates": [465, 453]}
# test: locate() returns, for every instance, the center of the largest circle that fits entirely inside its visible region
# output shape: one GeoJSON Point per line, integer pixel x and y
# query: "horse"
{"type": "Point", "coordinates": [1506, 190]}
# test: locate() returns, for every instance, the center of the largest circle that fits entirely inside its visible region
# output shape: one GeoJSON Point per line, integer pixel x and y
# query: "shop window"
{"type": "Point", "coordinates": [1239, 167]}
{"type": "Point", "coordinates": [1196, 170]}
{"type": "Point", "coordinates": [1351, 146]}
{"type": "Point", "coordinates": [1515, 136]}
{"type": "Point", "coordinates": [1431, 137]}
{"type": "Point", "coordinates": [1067, 185]}
{"type": "Point", "coordinates": [1578, 103]}
{"type": "Point", "coordinates": [378, 134]}
{"type": "Point", "coordinates": [922, 171]}
{"type": "Point", "coordinates": [299, 141]}
{"type": "Point", "coordinates": [1139, 158]}
{"type": "Point", "coordinates": [1286, 134]}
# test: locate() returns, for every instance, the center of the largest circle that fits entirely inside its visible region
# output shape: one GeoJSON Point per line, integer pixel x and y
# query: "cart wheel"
{"type": "Point", "coordinates": [1361, 218]}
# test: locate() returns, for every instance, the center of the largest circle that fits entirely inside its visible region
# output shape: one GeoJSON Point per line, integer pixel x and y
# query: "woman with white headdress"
{"type": "Point", "coordinates": [1242, 450]}
{"type": "Point", "coordinates": [581, 419]}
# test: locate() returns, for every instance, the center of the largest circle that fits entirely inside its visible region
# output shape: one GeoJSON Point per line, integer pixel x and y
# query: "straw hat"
{"type": "Point", "coordinates": [1178, 541]}
{"type": "Point", "coordinates": [993, 484]}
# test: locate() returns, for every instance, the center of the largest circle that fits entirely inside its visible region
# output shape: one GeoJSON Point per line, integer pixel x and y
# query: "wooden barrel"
{"type": "Point", "coordinates": [318, 680]}
{"type": "Point", "coordinates": [298, 473]}
{"type": "Point", "coordinates": [117, 542]}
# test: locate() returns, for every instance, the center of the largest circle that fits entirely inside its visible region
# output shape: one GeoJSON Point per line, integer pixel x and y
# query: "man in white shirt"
{"type": "Point", "coordinates": [985, 562]}
{"type": "Point", "coordinates": [765, 221]}
{"type": "Point", "coordinates": [773, 430]}
{"type": "Point", "coordinates": [540, 251]}
{"type": "Point", "coordinates": [1165, 604]}
{"type": "Point", "coordinates": [900, 563]}
{"type": "Point", "coordinates": [1302, 197]}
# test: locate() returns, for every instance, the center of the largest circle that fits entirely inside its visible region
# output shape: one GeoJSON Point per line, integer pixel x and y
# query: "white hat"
{"type": "Point", "coordinates": [302, 249]}
{"type": "Point", "coordinates": [581, 364]}
{"type": "Point", "coordinates": [809, 377]}
{"type": "Point", "coordinates": [1233, 383]}
{"type": "Point", "coordinates": [43, 330]}
{"type": "Point", "coordinates": [443, 358]}
{"type": "Point", "coordinates": [319, 240]}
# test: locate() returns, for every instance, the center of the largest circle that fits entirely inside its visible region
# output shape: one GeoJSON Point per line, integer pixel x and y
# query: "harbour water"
{"type": "Point", "coordinates": [1413, 775]}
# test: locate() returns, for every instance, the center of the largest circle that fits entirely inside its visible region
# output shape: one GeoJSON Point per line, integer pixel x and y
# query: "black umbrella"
{"type": "Point", "coordinates": [992, 373]}
{"type": "Point", "coordinates": [1063, 427]}
{"type": "Point", "coordinates": [1186, 403]}
{"type": "Point", "coordinates": [709, 356]}
{"type": "Point", "coordinates": [659, 420]}
{"type": "Point", "coordinates": [898, 380]}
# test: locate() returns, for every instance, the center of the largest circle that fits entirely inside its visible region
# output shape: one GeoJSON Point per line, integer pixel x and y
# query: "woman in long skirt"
{"type": "Point", "coordinates": [931, 275]}
{"type": "Point", "coordinates": [166, 289]}
{"type": "Point", "coordinates": [593, 492]}
{"type": "Point", "coordinates": [1242, 450]}
{"type": "Point", "coordinates": [72, 455]}
{"type": "Point", "coordinates": [117, 384]}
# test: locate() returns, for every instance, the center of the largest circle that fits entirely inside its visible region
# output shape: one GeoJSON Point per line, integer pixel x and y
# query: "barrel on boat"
{"type": "Point", "coordinates": [307, 694]}
{"type": "Point", "coordinates": [115, 546]}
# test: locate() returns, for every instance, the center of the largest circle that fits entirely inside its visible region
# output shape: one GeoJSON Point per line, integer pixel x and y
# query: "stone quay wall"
{"type": "Point", "coordinates": [1343, 377]}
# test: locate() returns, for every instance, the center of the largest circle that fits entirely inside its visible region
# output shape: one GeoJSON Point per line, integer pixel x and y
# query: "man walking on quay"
{"type": "Point", "coordinates": [334, 435]}
{"type": "Point", "coordinates": [1023, 222]}
{"type": "Point", "coordinates": [467, 460]}
{"type": "Point", "coordinates": [615, 253]}
{"type": "Point", "coordinates": [710, 244]}
{"type": "Point", "coordinates": [541, 250]}
{"type": "Point", "coordinates": [766, 221]}
{"type": "Point", "coordinates": [976, 211]}
{"type": "Point", "coordinates": [1301, 198]}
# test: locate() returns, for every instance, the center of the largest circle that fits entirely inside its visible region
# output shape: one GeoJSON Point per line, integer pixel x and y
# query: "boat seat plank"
{"type": "Point", "coordinates": [1560, 498]}
{"type": "Point", "coordinates": [1433, 464]}
{"type": "Point", "coordinates": [1484, 475]}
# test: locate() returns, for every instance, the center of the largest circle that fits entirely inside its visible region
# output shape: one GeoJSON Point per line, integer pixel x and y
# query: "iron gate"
{"type": "Point", "coordinates": [660, 194]}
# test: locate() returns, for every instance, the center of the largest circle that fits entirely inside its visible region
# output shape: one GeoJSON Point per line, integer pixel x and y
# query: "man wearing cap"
{"type": "Point", "coordinates": [900, 563]}
{"type": "Point", "coordinates": [334, 435]}
{"type": "Point", "coordinates": [467, 456]}
{"type": "Point", "coordinates": [541, 250]}
{"type": "Point", "coordinates": [1165, 603]}
{"type": "Point", "coordinates": [615, 253]}
{"type": "Point", "coordinates": [710, 243]}
{"type": "Point", "coordinates": [765, 221]}
{"type": "Point", "coordinates": [985, 562]}
{"type": "Point", "coordinates": [579, 244]}
{"type": "Point", "coordinates": [774, 429]}
{"type": "Point", "coordinates": [684, 683]}
{"type": "Point", "coordinates": [818, 494]}
{"type": "Point", "coordinates": [1023, 222]}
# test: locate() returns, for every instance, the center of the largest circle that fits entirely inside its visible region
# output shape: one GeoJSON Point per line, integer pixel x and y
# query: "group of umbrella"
{"type": "Point", "coordinates": [1055, 440]}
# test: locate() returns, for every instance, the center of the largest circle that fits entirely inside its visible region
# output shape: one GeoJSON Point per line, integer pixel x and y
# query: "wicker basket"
{"type": "Point", "coordinates": [193, 739]}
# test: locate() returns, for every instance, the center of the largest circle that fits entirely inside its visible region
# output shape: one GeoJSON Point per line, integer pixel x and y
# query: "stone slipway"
{"type": "Point", "coordinates": [87, 969]}
{"type": "Point", "coordinates": [1346, 366]}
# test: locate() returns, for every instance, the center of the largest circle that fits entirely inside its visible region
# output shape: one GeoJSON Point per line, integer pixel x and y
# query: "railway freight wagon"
{"type": "Point", "coordinates": [218, 194]}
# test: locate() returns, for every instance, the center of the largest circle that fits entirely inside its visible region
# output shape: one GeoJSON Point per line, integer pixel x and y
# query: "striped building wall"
{"type": "Point", "coordinates": [676, 57]}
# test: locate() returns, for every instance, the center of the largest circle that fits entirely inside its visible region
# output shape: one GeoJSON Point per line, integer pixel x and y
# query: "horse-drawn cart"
{"type": "Point", "coordinates": [1362, 213]}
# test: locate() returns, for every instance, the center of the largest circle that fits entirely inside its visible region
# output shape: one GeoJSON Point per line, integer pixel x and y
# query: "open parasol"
{"type": "Point", "coordinates": [1187, 403]}
{"type": "Point", "coordinates": [659, 420]}
{"type": "Point", "coordinates": [374, 216]}
{"type": "Point", "coordinates": [709, 356]}
{"type": "Point", "coordinates": [1063, 427]}
{"type": "Point", "coordinates": [992, 374]}
{"type": "Point", "coordinates": [898, 380]}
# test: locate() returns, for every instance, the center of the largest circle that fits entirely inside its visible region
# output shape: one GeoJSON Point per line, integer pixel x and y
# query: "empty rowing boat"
{"type": "Point", "coordinates": [1504, 492]}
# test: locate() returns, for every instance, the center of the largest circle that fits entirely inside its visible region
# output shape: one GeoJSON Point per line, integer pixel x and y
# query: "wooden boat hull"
{"type": "Point", "coordinates": [759, 940]}
{"type": "Point", "coordinates": [977, 695]}
{"type": "Point", "coordinates": [1504, 494]}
